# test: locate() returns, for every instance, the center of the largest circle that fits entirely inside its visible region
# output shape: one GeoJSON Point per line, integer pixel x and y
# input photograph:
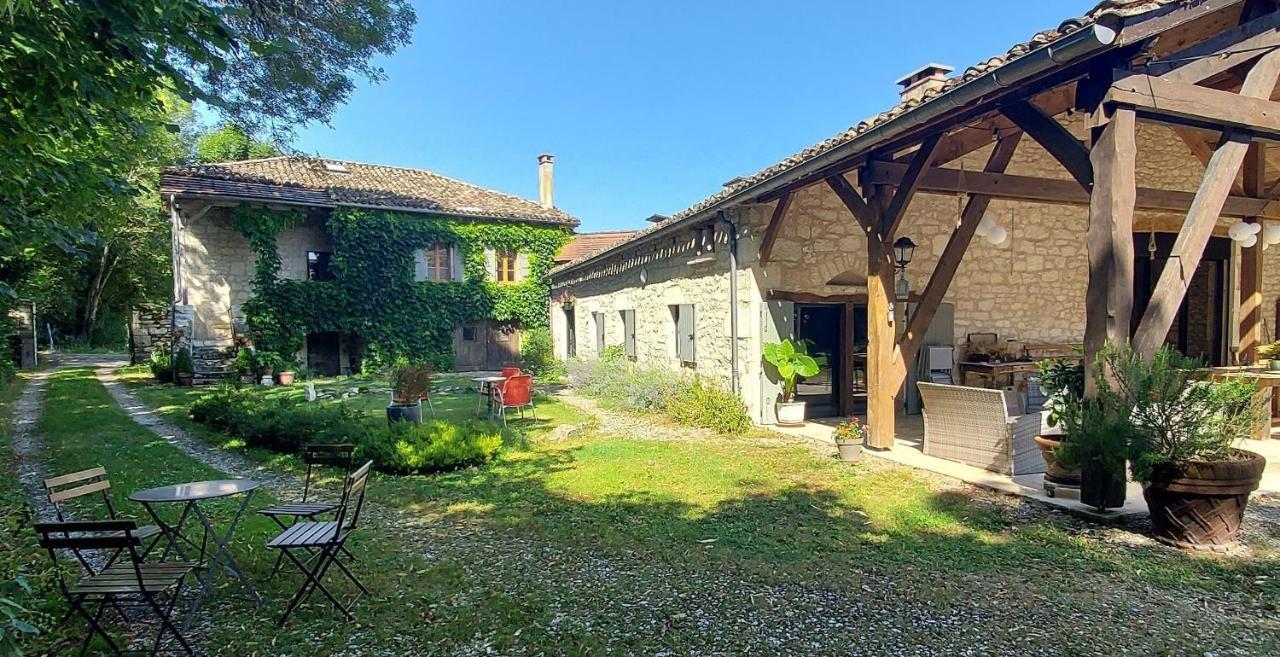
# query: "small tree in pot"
{"type": "Point", "coordinates": [791, 361]}
{"type": "Point", "coordinates": [184, 369]}
{"type": "Point", "coordinates": [1184, 446]}
{"type": "Point", "coordinates": [1062, 382]}
{"type": "Point", "coordinates": [410, 384]}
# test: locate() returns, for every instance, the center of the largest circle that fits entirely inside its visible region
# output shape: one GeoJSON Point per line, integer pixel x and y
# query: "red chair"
{"type": "Point", "coordinates": [515, 392]}
{"type": "Point", "coordinates": [508, 372]}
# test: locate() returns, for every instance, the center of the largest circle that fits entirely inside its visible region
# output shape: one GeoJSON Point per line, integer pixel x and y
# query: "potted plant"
{"type": "Point", "coordinates": [287, 374]}
{"type": "Point", "coordinates": [1096, 444]}
{"type": "Point", "coordinates": [849, 436]}
{"type": "Point", "coordinates": [184, 367]}
{"type": "Point", "coordinates": [1184, 447]}
{"type": "Point", "coordinates": [1062, 383]}
{"type": "Point", "coordinates": [410, 384]}
{"type": "Point", "coordinates": [792, 361]}
{"type": "Point", "coordinates": [1269, 355]}
{"type": "Point", "coordinates": [267, 362]}
{"type": "Point", "coordinates": [245, 366]}
{"type": "Point", "coordinates": [161, 365]}
{"type": "Point", "coordinates": [565, 300]}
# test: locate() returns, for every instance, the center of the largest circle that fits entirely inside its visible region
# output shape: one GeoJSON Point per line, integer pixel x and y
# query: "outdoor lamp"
{"type": "Point", "coordinates": [903, 291]}
{"type": "Point", "coordinates": [904, 248]}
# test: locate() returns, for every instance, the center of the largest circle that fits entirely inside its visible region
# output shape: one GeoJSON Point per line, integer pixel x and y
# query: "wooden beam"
{"type": "Point", "coordinates": [944, 272]}
{"type": "Point", "coordinates": [1170, 17]}
{"type": "Point", "coordinates": [883, 381]}
{"type": "Point", "coordinates": [910, 182]}
{"type": "Point", "coordinates": [1055, 191]}
{"type": "Point", "coordinates": [1050, 134]}
{"type": "Point", "coordinates": [867, 218]}
{"type": "Point", "coordinates": [1251, 322]}
{"type": "Point", "coordinates": [1196, 229]}
{"type": "Point", "coordinates": [1227, 50]}
{"type": "Point", "coordinates": [1203, 152]}
{"type": "Point", "coordinates": [774, 228]}
{"type": "Point", "coordinates": [1109, 240]}
{"type": "Point", "coordinates": [1171, 101]}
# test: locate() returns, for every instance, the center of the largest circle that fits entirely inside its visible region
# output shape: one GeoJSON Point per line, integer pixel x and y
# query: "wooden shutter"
{"type": "Point", "coordinates": [629, 333]}
{"type": "Point", "coordinates": [685, 329]}
{"type": "Point", "coordinates": [599, 317]}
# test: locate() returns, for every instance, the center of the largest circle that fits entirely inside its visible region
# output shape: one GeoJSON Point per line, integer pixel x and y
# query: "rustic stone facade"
{"type": "Point", "coordinates": [150, 328]}
{"type": "Point", "coordinates": [1030, 288]}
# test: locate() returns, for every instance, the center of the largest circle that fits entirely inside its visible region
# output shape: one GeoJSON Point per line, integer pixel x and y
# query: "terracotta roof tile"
{"type": "Point", "coordinates": [356, 184]}
{"type": "Point", "coordinates": [1116, 8]}
{"type": "Point", "coordinates": [587, 244]}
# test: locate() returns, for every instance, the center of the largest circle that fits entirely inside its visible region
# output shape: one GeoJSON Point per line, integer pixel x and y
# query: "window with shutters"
{"type": "Point", "coordinates": [506, 271]}
{"type": "Point", "coordinates": [435, 263]}
{"type": "Point", "coordinates": [682, 319]}
{"type": "Point", "coordinates": [629, 333]}
{"type": "Point", "coordinates": [599, 322]}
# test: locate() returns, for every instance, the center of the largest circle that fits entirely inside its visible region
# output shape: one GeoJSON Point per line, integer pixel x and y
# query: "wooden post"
{"type": "Point", "coordinates": [882, 386]}
{"type": "Point", "coordinates": [1109, 296]}
{"type": "Point", "coordinates": [1251, 323]}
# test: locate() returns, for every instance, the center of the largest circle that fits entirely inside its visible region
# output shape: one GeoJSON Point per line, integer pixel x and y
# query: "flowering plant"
{"type": "Point", "coordinates": [564, 298]}
{"type": "Point", "coordinates": [852, 431]}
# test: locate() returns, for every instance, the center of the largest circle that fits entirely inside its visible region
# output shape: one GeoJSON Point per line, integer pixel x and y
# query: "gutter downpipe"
{"type": "Point", "coordinates": [731, 228]}
{"type": "Point", "coordinates": [175, 241]}
{"type": "Point", "coordinates": [1067, 50]}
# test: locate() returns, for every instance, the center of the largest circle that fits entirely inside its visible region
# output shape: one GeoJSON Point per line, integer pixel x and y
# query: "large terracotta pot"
{"type": "Point", "coordinates": [1200, 505]}
{"type": "Point", "coordinates": [1053, 472]}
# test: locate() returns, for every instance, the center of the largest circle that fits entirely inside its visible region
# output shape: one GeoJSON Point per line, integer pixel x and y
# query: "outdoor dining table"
{"type": "Point", "coordinates": [190, 496]}
{"type": "Point", "coordinates": [485, 385]}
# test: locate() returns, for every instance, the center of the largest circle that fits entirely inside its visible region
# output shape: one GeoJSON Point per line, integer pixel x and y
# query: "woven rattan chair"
{"type": "Point", "coordinates": [976, 426]}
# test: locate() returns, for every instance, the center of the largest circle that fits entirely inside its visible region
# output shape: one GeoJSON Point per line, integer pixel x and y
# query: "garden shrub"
{"type": "Point", "coordinates": [700, 404]}
{"type": "Point", "coordinates": [433, 446]}
{"type": "Point", "coordinates": [689, 400]}
{"type": "Point", "coordinates": [281, 425]}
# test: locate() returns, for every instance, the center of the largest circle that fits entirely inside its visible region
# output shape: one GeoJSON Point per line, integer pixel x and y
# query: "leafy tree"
{"type": "Point", "coordinates": [231, 143]}
{"type": "Point", "coordinates": [79, 82]}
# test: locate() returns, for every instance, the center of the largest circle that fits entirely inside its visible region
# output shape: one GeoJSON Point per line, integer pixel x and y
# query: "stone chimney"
{"type": "Point", "coordinates": [546, 180]}
{"type": "Point", "coordinates": [927, 78]}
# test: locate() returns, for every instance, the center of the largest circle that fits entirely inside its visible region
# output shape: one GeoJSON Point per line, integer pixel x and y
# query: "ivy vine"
{"type": "Point", "coordinates": [374, 295]}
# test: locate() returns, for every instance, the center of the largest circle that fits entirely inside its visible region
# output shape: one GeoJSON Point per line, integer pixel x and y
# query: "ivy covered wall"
{"type": "Point", "coordinates": [374, 295]}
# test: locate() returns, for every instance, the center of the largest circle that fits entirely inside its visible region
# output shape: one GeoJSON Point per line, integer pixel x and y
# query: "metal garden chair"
{"type": "Point", "coordinates": [81, 484]}
{"type": "Point", "coordinates": [321, 544]}
{"type": "Point", "coordinates": [132, 583]}
{"type": "Point", "coordinates": [516, 392]}
{"type": "Point", "coordinates": [309, 508]}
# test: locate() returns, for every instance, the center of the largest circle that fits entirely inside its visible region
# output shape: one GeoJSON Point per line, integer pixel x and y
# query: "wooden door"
{"type": "Point", "coordinates": [504, 346]}
{"type": "Point", "coordinates": [470, 346]}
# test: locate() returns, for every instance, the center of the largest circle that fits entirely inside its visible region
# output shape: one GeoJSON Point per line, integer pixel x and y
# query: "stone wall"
{"type": "Point", "coordinates": [150, 328]}
{"type": "Point", "coordinates": [1030, 288]}
{"type": "Point", "coordinates": [294, 243]}
{"type": "Point", "coordinates": [216, 266]}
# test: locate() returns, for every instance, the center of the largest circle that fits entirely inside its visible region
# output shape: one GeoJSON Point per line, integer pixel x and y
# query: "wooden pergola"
{"type": "Point", "coordinates": [1208, 69]}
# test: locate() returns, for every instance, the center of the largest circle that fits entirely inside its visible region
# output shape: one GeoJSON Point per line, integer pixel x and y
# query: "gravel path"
{"type": "Point", "coordinates": [28, 445]}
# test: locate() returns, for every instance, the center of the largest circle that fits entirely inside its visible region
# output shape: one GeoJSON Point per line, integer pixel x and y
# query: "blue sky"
{"type": "Point", "coordinates": [650, 106]}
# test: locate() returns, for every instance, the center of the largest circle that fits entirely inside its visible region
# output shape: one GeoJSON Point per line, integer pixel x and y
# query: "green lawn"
{"type": "Point", "coordinates": [500, 556]}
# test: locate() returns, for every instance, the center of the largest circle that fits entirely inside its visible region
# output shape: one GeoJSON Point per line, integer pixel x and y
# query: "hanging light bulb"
{"type": "Point", "coordinates": [1249, 242]}
{"type": "Point", "coordinates": [1239, 231]}
{"type": "Point", "coordinates": [1271, 233]}
{"type": "Point", "coordinates": [997, 235]}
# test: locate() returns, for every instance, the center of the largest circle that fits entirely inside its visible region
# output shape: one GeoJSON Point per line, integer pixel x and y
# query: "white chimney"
{"type": "Point", "coordinates": [546, 180]}
{"type": "Point", "coordinates": [917, 83]}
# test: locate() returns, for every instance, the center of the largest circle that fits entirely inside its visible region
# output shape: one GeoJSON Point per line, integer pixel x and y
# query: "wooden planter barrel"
{"type": "Point", "coordinates": [1200, 506]}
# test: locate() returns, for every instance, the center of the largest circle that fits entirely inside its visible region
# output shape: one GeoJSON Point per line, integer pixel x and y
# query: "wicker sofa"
{"type": "Point", "coordinates": [980, 427]}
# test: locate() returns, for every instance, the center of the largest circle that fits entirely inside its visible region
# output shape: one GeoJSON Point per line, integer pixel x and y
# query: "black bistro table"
{"type": "Point", "coordinates": [190, 495]}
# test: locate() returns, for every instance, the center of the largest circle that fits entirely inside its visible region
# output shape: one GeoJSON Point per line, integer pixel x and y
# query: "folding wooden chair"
{"type": "Point", "coordinates": [308, 508]}
{"type": "Point", "coordinates": [323, 544]}
{"type": "Point", "coordinates": [515, 392]}
{"type": "Point", "coordinates": [87, 482]}
{"type": "Point", "coordinates": [130, 584]}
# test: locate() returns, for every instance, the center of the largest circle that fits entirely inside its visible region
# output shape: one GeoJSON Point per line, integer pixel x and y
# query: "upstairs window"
{"type": "Point", "coordinates": [506, 271]}
{"type": "Point", "coordinates": [319, 266]}
{"type": "Point", "coordinates": [435, 263]}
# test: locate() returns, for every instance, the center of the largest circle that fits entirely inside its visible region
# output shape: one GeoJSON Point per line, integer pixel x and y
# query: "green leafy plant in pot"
{"type": "Point", "coordinates": [161, 365]}
{"type": "Point", "coordinates": [410, 384]}
{"type": "Point", "coordinates": [791, 361]}
{"type": "Point", "coordinates": [1062, 383]}
{"type": "Point", "coordinates": [1185, 446]}
{"type": "Point", "coordinates": [184, 367]}
{"type": "Point", "coordinates": [1269, 354]}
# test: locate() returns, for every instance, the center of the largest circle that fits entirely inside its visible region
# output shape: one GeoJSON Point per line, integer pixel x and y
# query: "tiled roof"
{"type": "Point", "coordinates": [313, 180]}
{"type": "Point", "coordinates": [587, 244]}
{"type": "Point", "coordinates": [1108, 8]}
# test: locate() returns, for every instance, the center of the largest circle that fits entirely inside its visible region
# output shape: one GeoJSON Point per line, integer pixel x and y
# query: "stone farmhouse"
{"type": "Point", "coordinates": [1085, 185]}
{"type": "Point", "coordinates": [374, 260]}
